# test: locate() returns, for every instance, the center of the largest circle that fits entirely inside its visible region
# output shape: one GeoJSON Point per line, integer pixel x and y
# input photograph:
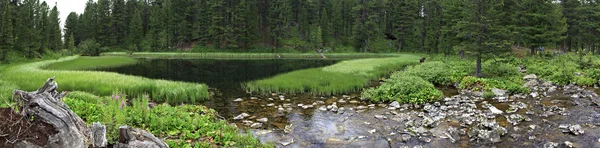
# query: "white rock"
{"type": "Point", "coordinates": [238, 100]}
{"type": "Point", "coordinates": [323, 108]}
{"type": "Point", "coordinates": [263, 120]}
{"type": "Point", "coordinates": [241, 116]}
{"type": "Point", "coordinates": [534, 94]}
{"type": "Point", "coordinates": [271, 104]}
{"type": "Point", "coordinates": [380, 117]}
{"type": "Point", "coordinates": [568, 144]}
{"type": "Point", "coordinates": [253, 98]}
{"type": "Point", "coordinates": [300, 105]}
{"type": "Point", "coordinates": [372, 131]}
{"type": "Point", "coordinates": [495, 110]}
{"type": "Point", "coordinates": [256, 125]}
{"type": "Point", "coordinates": [529, 77]}
{"type": "Point", "coordinates": [286, 142]}
{"type": "Point", "coordinates": [395, 104]}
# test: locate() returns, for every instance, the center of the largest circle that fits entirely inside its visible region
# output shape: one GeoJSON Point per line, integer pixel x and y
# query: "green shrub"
{"type": "Point", "coordinates": [90, 48]}
{"type": "Point", "coordinates": [499, 69]}
{"type": "Point", "coordinates": [488, 95]}
{"type": "Point", "coordinates": [593, 73]}
{"type": "Point", "coordinates": [517, 89]}
{"type": "Point", "coordinates": [559, 70]}
{"type": "Point", "coordinates": [435, 72]}
{"type": "Point", "coordinates": [585, 81]}
{"type": "Point", "coordinates": [404, 88]}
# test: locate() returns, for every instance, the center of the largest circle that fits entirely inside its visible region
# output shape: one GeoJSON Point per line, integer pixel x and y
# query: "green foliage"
{"type": "Point", "coordinates": [404, 88]}
{"type": "Point", "coordinates": [343, 77]}
{"type": "Point", "coordinates": [585, 81]}
{"type": "Point", "coordinates": [90, 63]}
{"type": "Point", "coordinates": [28, 76]}
{"type": "Point", "coordinates": [559, 70]}
{"type": "Point", "coordinates": [488, 94]}
{"type": "Point", "coordinates": [499, 69]}
{"type": "Point", "coordinates": [90, 48]}
{"type": "Point", "coordinates": [188, 122]}
{"type": "Point", "coordinates": [435, 72]}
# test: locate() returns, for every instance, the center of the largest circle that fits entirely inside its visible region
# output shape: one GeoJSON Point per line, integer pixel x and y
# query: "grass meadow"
{"type": "Point", "coordinates": [31, 76]}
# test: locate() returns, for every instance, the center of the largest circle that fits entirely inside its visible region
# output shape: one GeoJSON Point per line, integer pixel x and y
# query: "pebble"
{"type": "Point", "coordinates": [241, 116]}
{"type": "Point", "coordinates": [323, 108]}
{"type": "Point", "coordinates": [263, 120]}
{"type": "Point", "coordinates": [372, 131]}
{"type": "Point", "coordinates": [256, 125]}
{"type": "Point", "coordinates": [568, 144]}
{"type": "Point", "coordinates": [238, 100]}
{"type": "Point", "coordinates": [380, 117]}
{"type": "Point", "coordinates": [253, 98]}
{"type": "Point", "coordinates": [361, 107]}
{"type": "Point", "coordinates": [271, 104]}
{"type": "Point", "coordinates": [353, 102]}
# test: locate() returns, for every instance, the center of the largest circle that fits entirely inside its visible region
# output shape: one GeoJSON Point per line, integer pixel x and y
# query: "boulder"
{"type": "Point", "coordinates": [395, 104]}
{"type": "Point", "coordinates": [499, 92]}
{"type": "Point", "coordinates": [241, 116]}
{"type": "Point", "coordinates": [530, 77]}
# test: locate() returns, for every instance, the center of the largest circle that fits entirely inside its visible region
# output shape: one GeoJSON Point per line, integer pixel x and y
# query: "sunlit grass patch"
{"type": "Point", "coordinates": [30, 77]}
{"type": "Point", "coordinates": [343, 77]}
{"type": "Point", "coordinates": [87, 63]}
{"type": "Point", "coordinates": [313, 80]}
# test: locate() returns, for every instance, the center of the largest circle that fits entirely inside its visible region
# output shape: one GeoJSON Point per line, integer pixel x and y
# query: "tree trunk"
{"type": "Point", "coordinates": [45, 105]}
{"type": "Point", "coordinates": [478, 68]}
{"type": "Point", "coordinates": [399, 45]}
{"type": "Point", "coordinates": [563, 47]}
{"type": "Point", "coordinates": [532, 50]}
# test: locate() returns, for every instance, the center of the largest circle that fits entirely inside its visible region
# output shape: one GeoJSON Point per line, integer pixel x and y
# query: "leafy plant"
{"type": "Point", "coordinates": [404, 88]}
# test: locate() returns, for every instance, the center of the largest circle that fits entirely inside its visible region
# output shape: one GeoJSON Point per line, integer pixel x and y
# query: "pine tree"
{"type": "Point", "coordinates": [136, 33]}
{"type": "Point", "coordinates": [119, 24]}
{"type": "Point", "coordinates": [70, 44]}
{"type": "Point", "coordinates": [43, 27]}
{"type": "Point", "coordinates": [403, 21]}
{"type": "Point", "coordinates": [70, 28]}
{"type": "Point", "coordinates": [104, 23]}
{"type": "Point", "coordinates": [54, 30]}
{"type": "Point", "coordinates": [542, 23]}
{"type": "Point", "coordinates": [481, 30]}
{"type": "Point", "coordinates": [6, 31]}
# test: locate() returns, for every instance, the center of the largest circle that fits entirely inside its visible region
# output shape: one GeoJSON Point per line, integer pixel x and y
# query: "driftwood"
{"type": "Point", "coordinates": [137, 138]}
{"type": "Point", "coordinates": [45, 105]}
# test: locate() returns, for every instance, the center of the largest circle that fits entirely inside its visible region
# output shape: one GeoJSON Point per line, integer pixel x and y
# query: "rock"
{"type": "Point", "coordinates": [253, 98]}
{"type": "Point", "coordinates": [405, 137]}
{"type": "Point", "coordinates": [495, 110]}
{"type": "Point", "coordinates": [530, 77]}
{"type": "Point", "coordinates": [256, 125]}
{"type": "Point", "coordinates": [241, 116]}
{"type": "Point", "coordinates": [323, 108]}
{"type": "Point", "coordinates": [99, 135]}
{"type": "Point", "coordinates": [550, 145]}
{"type": "Point", "coordinates": [534, 94]}
{"type": "Point", "coordinates": [238, 100]}
{"type": "Point", "coordinates": [499, 92]}
{"type": "Point", "coordinates": [568, 144]}
{"type": "Point", "coordinates": [372, 131]}
{"type": "Point", "coordinates": [361, 107]}
{"type": "Point", "coordinates": [576, 129]}
{"type": "Point", "coordinates": [395, 104]}
{"type": "Point", "coordinates": [286, 142]}
{"type": "Point", "coordinates": [353, 102]}
{"type": "Point", "coordinates": [263, 120]}
{"type": "Point", "coordinates": [381, 117]}
{"type": "Point", "coordinates": [514, 119]}
{"type": "Point", "coordinates": [427, 121]}
{"type": "Point", "coordinates": [425, 139]}
{"type": "Point", "coordinates": [137, 138]}
{"type": "Point", "coordinates": [271, 104]}
{"type": "Point", "coordinates": [531, 83]}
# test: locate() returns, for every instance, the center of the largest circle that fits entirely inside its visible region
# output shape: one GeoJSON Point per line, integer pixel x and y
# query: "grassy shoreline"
{"type": "Point", "coordinates": [190, 55]}
{"type": "Point", "coordinates": [29, 76]}
{"type": "Point", "coordinates": [344, 77]}
{"type": "Point", "coordinates": [89, 63]}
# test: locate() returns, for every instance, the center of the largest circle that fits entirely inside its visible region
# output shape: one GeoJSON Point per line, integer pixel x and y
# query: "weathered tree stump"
{"type": "Point", "coordinates": [137, 138]}
{"type": "Point", "coordinates": [45, 105]}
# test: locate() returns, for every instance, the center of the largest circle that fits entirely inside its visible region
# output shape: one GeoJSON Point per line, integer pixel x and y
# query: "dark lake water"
{"type": "Point", "coordinates": [220, 74]}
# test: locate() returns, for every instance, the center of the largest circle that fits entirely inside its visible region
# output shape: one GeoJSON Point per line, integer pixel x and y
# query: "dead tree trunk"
{"type": "Point", "coordinates": [45, 104]}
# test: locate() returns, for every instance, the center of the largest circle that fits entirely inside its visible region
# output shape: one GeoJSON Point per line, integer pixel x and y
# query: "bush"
{"type": "Point", "coordinates": [404, 88]}
{"type": "Point", "coordinates": [488, 95]}
{"type": "Point", "coordinates": [585, 81]}
{"type": "Point", "coordinates": [499, 69]}
{"type": "Point", "coordinates": [90, 48]}
{"type": "Point", "coordinates": [517, 89]}
{"type": "Point", "coordinates": [434, 72]}
{"type": "Point", "coordinates": [558, 70]}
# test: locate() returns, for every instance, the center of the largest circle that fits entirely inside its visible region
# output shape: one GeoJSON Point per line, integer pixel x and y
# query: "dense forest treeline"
{"type": "Point", "coordinates": [30, 28]}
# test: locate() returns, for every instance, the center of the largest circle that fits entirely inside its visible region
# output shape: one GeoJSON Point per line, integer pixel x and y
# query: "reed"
{"type": "Point", "coordinates": [30, 77]}
{"type": "Point", "coordinates": [344, 77]}
{"type": "Point", "coordinates": [88, 63]}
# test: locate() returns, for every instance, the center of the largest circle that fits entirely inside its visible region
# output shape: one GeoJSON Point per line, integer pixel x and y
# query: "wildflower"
{"type": "Point", "coordinates": [122, 104]}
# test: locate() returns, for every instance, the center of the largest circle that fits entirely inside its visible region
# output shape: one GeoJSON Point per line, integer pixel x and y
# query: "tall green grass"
{"type": "Point", "coordinates": [87, 63]}
{"type": "Point", "coordinates": [30, 77]}
{"type": "Point", "coordinates": [343, 77]}
{"type": "Point", "coordinates": [186, 55]}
